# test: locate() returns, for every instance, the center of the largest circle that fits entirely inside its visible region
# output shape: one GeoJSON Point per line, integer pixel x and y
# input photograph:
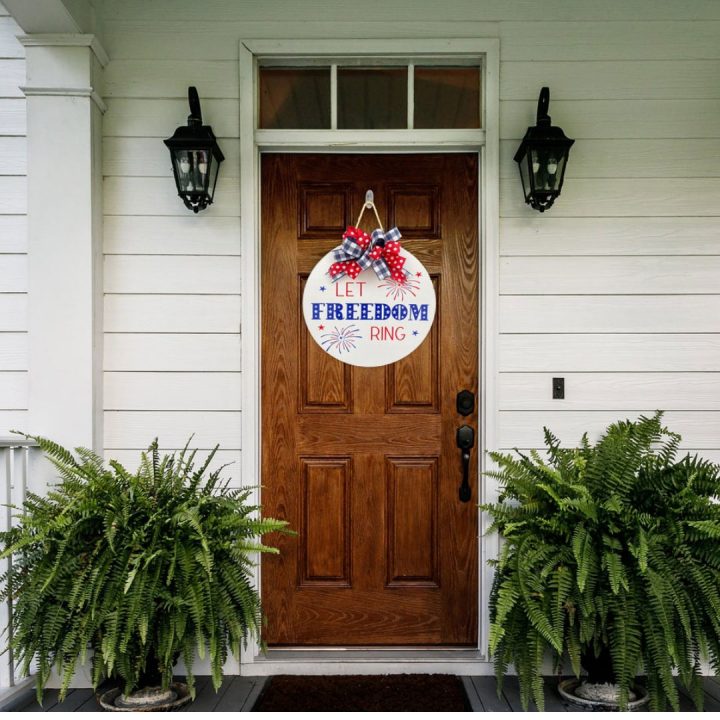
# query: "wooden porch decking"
{"type": "Point", "coordinates": [238, 694]}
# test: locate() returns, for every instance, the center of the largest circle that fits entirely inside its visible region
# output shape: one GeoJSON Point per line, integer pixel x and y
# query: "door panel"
{"type": "Point", "coordinates": [412, 518]}
{"type": "Point", "coordinates": [324, 385]}
{"type": "Point", "coordinates": [412, 384]}
{"type": "Point", "coordinates": [362, 461]}
{"type": "Point", "coordinates": [324, 548]}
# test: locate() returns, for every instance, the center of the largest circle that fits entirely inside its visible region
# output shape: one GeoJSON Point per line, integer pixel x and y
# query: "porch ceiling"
{"type": "Point", "coordinates": [53, 16]}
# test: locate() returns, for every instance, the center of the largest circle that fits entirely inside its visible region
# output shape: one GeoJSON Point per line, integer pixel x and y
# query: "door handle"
{"type": "Point", "coordinates": [465, 438]}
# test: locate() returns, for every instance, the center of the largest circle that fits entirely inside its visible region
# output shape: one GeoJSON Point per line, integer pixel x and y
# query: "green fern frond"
{"type": "Point", "coordinates": [608, 545]}
{"type": "Point", "coordinates": [142, 567]}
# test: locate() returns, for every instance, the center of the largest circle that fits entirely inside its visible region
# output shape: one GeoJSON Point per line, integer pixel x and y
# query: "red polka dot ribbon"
{"type": "Point", "coordinates": [359, 251]}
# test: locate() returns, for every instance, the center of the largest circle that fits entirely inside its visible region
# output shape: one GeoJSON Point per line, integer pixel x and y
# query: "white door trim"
{"type": "Point", "coordinates": [486, 143]}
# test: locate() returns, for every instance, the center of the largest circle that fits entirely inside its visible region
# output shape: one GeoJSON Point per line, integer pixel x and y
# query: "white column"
{"type": "Point", "coordinates": [64, 176]}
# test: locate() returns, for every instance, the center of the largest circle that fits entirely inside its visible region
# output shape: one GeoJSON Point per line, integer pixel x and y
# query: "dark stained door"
{"type": "Point", "coordinates": [363, 462]}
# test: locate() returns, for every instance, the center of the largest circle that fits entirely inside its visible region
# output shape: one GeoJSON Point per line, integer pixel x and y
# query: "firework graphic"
{"type": "Point", "coordinates": [397, 290]}
{"type": "Point", "coordinates": [341, 339]}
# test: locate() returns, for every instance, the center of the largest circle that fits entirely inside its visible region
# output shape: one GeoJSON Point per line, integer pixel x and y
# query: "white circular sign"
{"type": "Point", "coordinates": [365, 320]}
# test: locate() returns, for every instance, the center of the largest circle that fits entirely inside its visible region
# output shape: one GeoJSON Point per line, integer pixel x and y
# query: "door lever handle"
{"type": "Point", "coordinates": [465, 438]}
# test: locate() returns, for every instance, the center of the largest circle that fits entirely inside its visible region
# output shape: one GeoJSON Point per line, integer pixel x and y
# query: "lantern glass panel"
{"type": "Point", "coordinates": [548, 165]}
{"type": "Point", "coordinates": [525, 176]}
{"type": "Point", "coordinates": [193, 170]}
{"type": "Point", "coordinates": [183, 169]}
{"type": "Point", "coordinates": [213, 175]}
{"type": "Point", "coordinates": [203, 160]}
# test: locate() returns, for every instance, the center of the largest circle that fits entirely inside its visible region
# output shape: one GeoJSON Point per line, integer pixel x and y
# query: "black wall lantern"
{"type": "Point", "coordinates": [196, 158]}
{"type": "Point", "coordinates": [542, 157]}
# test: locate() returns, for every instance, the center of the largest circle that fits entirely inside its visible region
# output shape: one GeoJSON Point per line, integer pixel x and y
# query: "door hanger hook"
{"type": "Point", "coordinates": [369, 204]}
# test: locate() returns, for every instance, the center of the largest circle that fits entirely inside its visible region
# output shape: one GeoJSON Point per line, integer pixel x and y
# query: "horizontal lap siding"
{"type": "Point", "coordinates": [608, 236]}
{"type": "Point", "coordinates": [623, 391]}
{"type": "Point", "coordinates": [13, 242]}
{"type": "Point", "coordinates": [636, 158]}
{"type": "Point", "coordinates": [524, 429]}
{"type": "Point", "coordinates": [158, 351]}
{"type": "Point", "coordinates": [220, 13]}
{"type": "Point", "coordinates": [135, 429]}
{"type": "Point", "coordinates": [660, 314]}
{"type": "Point", "coordinates": [615, 288]}
{"type": "Point", "coordinates": [610, 275]}
{"type": "Point", "coordinates": [172, 391]}
{"type": "Point", "coordinates": [613, 352]}
{"type": "Point", "coordinates": [172, 278]}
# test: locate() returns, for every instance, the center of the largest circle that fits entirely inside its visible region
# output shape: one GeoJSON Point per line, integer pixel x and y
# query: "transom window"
{"type": "Point", "coordinates": [370, 96]}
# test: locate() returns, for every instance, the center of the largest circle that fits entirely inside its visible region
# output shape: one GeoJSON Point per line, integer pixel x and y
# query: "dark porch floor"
{"type": "Point", "coordinates": [238, 694]}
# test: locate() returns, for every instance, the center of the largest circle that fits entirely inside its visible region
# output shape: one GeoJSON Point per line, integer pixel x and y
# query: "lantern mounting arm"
{"type": "Point", "coordinates": [543, 106]}
{"type": "Point", "coordinates": [195, 117]}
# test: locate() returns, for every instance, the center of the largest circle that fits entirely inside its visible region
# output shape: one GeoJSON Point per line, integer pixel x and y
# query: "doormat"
{"type": "Point", "coordinates": [364, 693]}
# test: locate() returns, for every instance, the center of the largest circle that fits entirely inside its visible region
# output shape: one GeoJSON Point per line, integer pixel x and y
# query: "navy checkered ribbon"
{"type": "Point", "coordinates": [381, 252]}
{"type": "Point", "coordinates": [352, 250]}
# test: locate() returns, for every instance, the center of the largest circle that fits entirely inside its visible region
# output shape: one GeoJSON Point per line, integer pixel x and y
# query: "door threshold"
{"type": "Point", "coordinates": [371, 654]}
{"type": "Point", "coordinates": [368, 661]}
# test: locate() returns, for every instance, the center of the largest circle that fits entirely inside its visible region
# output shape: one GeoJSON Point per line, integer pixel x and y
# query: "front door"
{"type": "Point", "coordinates": [363, 462]}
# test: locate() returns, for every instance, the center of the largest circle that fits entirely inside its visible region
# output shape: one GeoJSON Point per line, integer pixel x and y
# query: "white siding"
{"type": "Point", "coordinates": [172, 279]}
{"type": "Point", "coordinates": [13, 243]}
{"type": "Point", "coordinates": [616, 288]}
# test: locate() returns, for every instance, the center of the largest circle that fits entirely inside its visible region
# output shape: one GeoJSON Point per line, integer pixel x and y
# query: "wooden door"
{"type": "Point", "coordinates": [363, 462]}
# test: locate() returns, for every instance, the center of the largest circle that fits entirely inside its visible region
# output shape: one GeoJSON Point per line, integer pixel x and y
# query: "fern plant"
{"type": "Point", "coordinates": [609, 550]}
{"type": "Point", "coordinates": [140, 567]}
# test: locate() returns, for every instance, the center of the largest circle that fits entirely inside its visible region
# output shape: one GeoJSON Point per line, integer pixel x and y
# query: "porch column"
{"type": "Point", "coordinates": [64, 176]}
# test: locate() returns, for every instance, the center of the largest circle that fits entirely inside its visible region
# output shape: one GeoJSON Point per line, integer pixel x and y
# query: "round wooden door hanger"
{"type": "Point", "coordinates": [369, 302]}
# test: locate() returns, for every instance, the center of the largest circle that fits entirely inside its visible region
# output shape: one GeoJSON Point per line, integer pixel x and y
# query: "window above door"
{"type": "Point", "coordinates": [390, 95]}
{"type": "Point", "coordinates": [373, 94]}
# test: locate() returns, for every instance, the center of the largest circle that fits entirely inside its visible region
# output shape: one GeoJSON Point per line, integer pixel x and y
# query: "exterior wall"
{"type": "Point", "coordinates": [615, 288]}
{"type": "Point", "coordinates": [13, 242]}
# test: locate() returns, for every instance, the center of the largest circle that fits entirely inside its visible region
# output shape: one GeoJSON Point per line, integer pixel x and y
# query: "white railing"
{"type": "Point", "coordinates": [16, 457]}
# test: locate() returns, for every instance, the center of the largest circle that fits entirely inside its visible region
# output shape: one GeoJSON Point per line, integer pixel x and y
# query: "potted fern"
{"type": "Point", "coordinates": [611, 562]}
{"type": "Point", "coordinates": [142, 568]}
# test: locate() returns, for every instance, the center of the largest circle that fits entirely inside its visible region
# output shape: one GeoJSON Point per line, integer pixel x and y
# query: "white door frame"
{"type": "Point", "coordinates": [486, 143]}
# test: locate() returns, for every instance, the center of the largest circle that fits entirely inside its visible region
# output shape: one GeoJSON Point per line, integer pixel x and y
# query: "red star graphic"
{"type": "Point", "coordinates": [321, 327]}
{"type": "Point", "coordinates": [418, 274]}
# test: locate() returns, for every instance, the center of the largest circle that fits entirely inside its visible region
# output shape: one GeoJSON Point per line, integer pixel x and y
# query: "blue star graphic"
{"type": "Point", "coordinates": [322, 288]}
{"type": "Point", "coordinates": [415, 332]}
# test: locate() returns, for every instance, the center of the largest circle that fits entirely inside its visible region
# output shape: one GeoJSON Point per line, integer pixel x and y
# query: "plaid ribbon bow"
{"type": "Point", "coordinates": [359, 251]}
